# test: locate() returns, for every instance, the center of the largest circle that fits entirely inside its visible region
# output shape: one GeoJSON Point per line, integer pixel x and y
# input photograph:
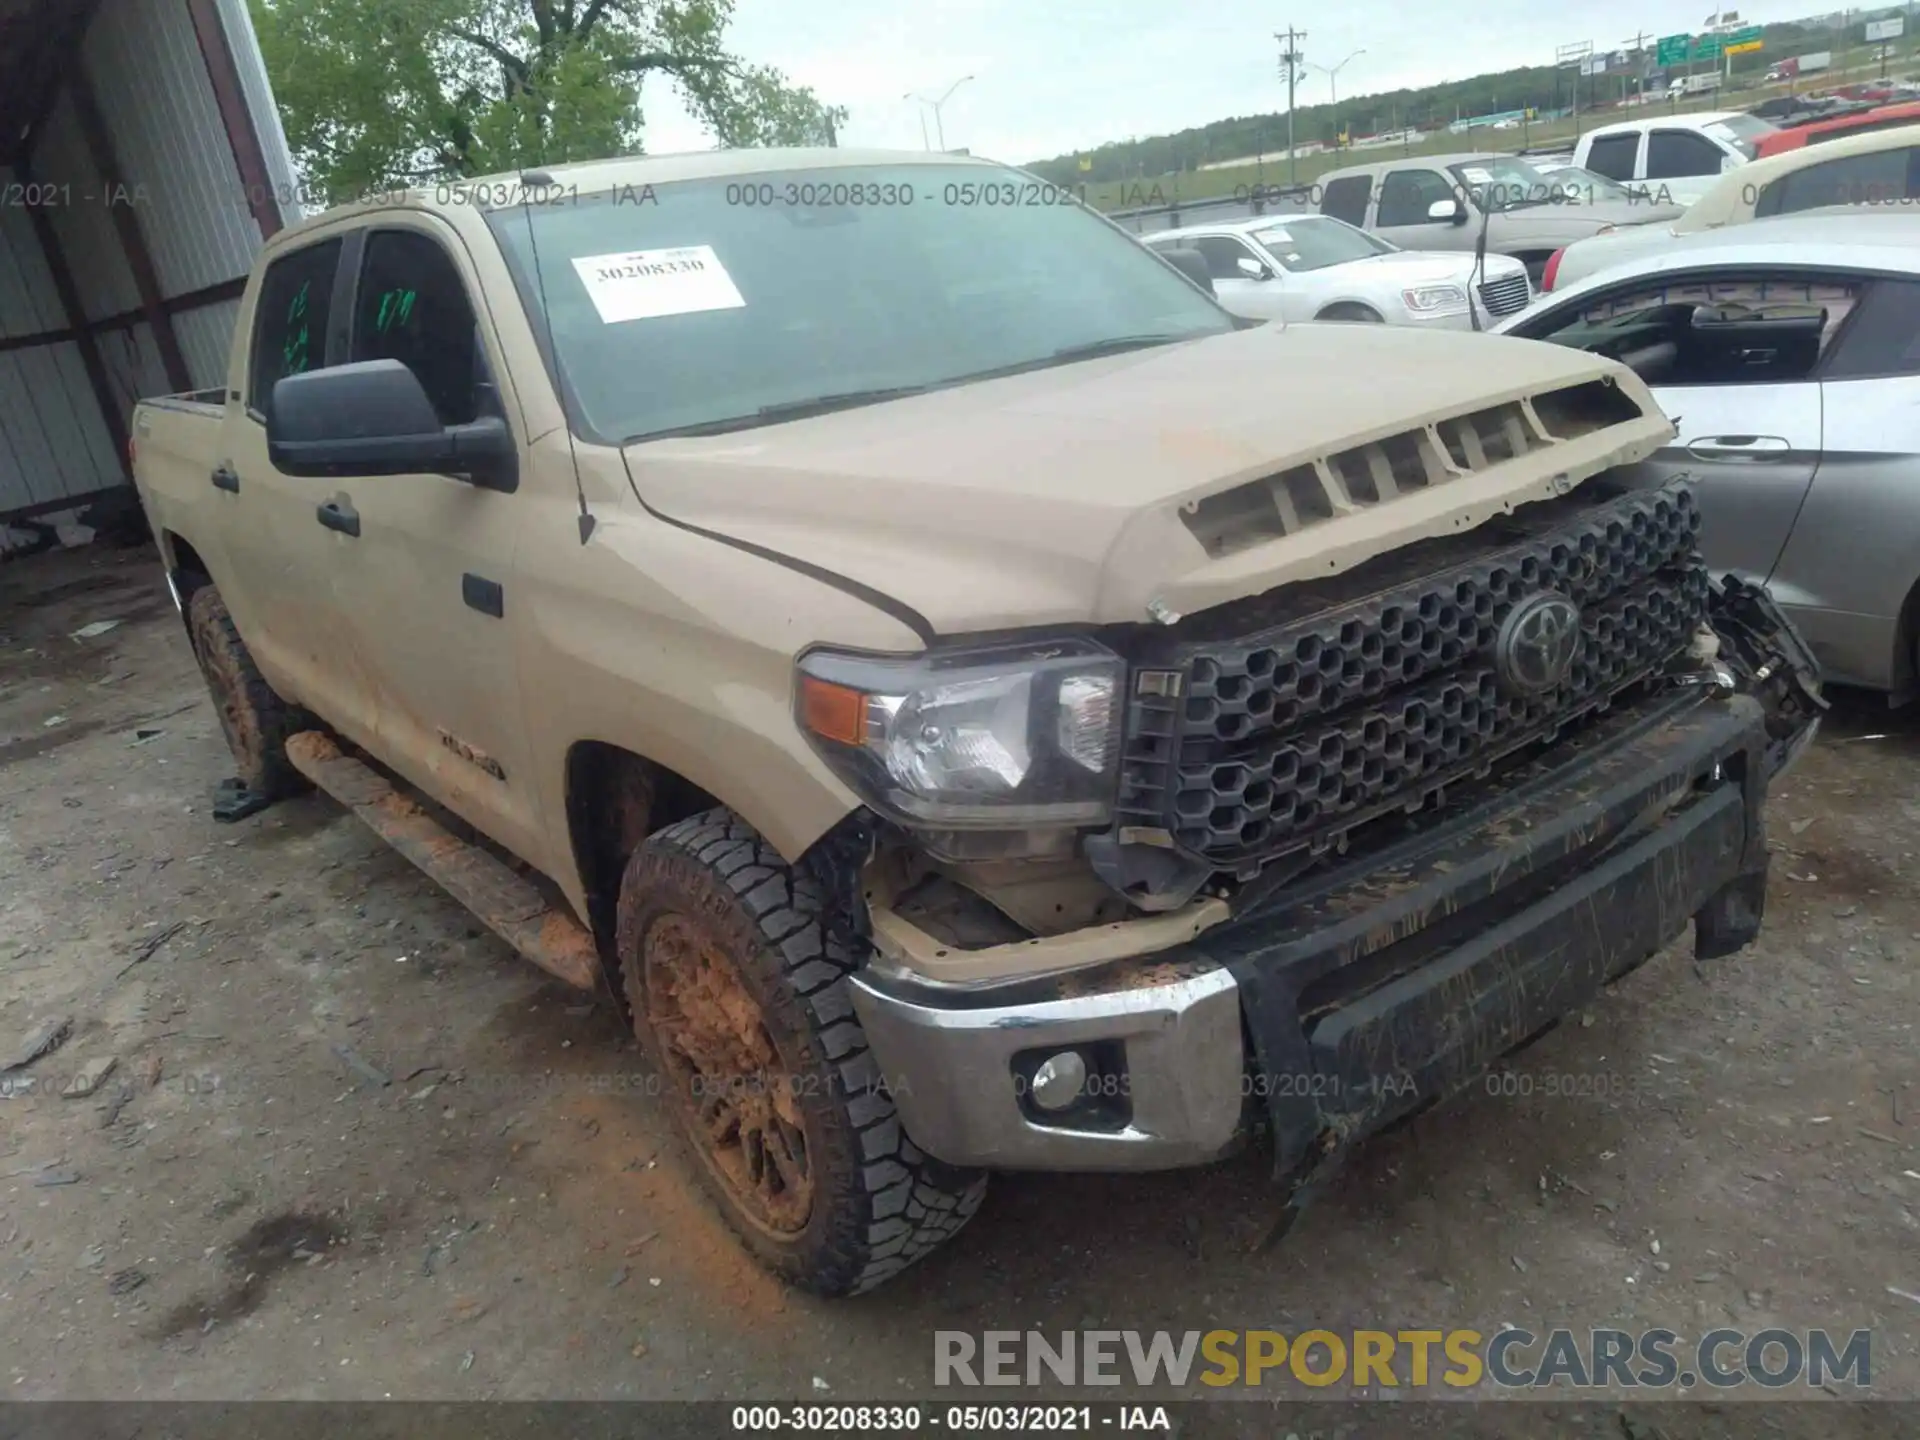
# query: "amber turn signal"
{"type": "Point", "coordinates": [833, 712]}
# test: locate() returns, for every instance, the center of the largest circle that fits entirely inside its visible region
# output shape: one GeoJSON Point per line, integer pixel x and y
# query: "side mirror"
{"type": "Point", "coordinates": [374, 418]}
{"type": "Point", "coordinates": [1451, 211]}
{"type": "Point", "coordinates": [1192, 264]}
{"type": "Point", "coordinates": [1252, 268]}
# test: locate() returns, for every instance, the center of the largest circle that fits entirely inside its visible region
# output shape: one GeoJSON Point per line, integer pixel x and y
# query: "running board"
{"type": "Point", "coordinates": [508, 904]}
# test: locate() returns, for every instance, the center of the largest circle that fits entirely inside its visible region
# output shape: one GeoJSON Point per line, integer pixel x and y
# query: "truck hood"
{"type": "Point", "coordinates": [1157, 482]}
{"type": "Point", "coordinates": [1424, 267]}
{"type": "Point", "coordinates": [1636, 211]}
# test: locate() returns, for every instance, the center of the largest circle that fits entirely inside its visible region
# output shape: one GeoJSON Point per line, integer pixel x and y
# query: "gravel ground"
{"type": "Point", "coordinates": [353, 1148]}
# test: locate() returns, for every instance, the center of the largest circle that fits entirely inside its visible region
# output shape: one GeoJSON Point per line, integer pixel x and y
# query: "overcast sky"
{"type": "Point", "coordinates": [1056, 75]}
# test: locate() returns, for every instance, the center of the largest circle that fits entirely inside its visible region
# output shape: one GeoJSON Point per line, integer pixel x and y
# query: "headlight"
{"type": "Point", "coordinates": [989, 739]}
{"type": "Point", "coordinates": [1432, 299]}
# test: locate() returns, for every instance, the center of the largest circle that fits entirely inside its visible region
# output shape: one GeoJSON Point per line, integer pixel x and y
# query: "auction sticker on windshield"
{"type": "Point", "coordinates": [645, 284]}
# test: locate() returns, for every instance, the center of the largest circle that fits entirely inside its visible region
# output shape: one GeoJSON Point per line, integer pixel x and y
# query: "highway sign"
{"type": "Point", "coordinates": [1709, 47]}
{"type": "Point", "coordinates": [1673, 49]}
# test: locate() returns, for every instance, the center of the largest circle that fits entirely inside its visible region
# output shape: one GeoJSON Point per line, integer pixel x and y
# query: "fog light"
{"type": "Point", "coordinates": [1058, 1079]}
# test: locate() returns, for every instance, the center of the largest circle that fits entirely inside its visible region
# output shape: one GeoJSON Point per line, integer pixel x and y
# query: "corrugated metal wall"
{"type": "Point", "coordinates": [260, 104]}
{"type": "Point", "coordinates": [53, 439]}
{"type": "Point", "coordinates": [165, 128]}
{"type": "Point", "coordinates": [145, 67]}
{"type": "Point", "coordinates": [206, 335]}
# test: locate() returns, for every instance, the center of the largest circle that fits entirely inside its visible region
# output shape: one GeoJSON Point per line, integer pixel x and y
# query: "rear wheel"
{"type": "Point", "coordinates": [738, 987]}
{"type": "Point", "coordinates": [255, 720]}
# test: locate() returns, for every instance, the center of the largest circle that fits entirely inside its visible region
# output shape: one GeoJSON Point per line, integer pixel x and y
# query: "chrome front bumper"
{"type": "Point", "coordinates": [955, 1073]}
{"type": "Point", "coordinates": [1387, 982]}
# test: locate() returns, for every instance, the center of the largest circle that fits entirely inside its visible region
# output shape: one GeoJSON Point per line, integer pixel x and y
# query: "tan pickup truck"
{"type": "Point", "coordinates": [970, 701]}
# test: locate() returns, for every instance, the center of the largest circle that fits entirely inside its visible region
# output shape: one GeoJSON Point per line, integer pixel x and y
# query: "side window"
{"type": "Point", "coordinates": [1880, 178]}
{"type": "Point", "coordinates": [290, 318]}
{"type": "Point", "coordinates": [1346, 199]}
{"type": "Point", "coordinates": [1672, 154]}
{"type": "Point", "coordinates": [1614, 155]}
{"type": "Point", "coordinates": [1223, 256]}
{"type": "Point", "coordinates": [1707, 330]}
{"type": "Point", "coordinates": [412, 307]}
{"type": "Point", "coordinates": [1884, 338]}
{"type": "Point", "coordinates": [1407, 195]}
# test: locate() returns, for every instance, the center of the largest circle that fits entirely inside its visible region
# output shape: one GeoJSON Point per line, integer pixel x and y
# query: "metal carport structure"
{"type": "Point", "coordinates": [142, 163]}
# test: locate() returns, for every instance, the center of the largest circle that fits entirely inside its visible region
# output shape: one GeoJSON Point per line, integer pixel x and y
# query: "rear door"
{"type": "Point", "coordinates": [1615, 156]}
{"type": "Point", "coordinates": [280, 581]}
{"type": "Point", "coordinates": [1347, 199]}
{"type": "Point", "coordinates": [1746, 402]}
{"type": "Point", "coordinates": [1854, 556]}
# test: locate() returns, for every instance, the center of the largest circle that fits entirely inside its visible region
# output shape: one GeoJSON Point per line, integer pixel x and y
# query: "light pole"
{"type": "Point", "coordinates": [1332, 72]}
{"type": "Point", "coordinates": [939, 129]}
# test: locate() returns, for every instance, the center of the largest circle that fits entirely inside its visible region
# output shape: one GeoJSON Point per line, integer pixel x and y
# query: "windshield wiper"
{"type": "Point", "coordinates": [1115, 345]}
{"type": "Point", "coordinates": [785, 410]}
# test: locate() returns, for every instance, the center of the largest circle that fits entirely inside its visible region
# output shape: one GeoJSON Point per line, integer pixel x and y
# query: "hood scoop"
{"type": "Point", "coordinates": [1344, 481]}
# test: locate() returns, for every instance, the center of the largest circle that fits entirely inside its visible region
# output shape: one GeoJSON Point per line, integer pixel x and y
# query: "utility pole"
{"type": "Point", "coordinates": [1290, 58]}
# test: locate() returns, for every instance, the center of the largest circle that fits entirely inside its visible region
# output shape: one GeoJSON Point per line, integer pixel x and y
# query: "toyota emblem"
{"type": "Point", "coordinates": [1536, 644]}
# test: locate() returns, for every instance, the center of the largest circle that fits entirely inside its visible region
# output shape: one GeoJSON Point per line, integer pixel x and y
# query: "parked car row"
{"type": "Point", "coordinates": [1313, 267]}
{"type": "Point", "coordinates": [1870, 169]}
{"type": "Point", "coordinates": [1787, 354]}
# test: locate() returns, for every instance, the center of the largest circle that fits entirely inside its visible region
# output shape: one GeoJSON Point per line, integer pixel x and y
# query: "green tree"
{"type": "Point", "coordinates": [380, 92]}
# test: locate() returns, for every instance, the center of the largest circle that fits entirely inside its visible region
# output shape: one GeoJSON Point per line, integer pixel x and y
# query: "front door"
{"type": "Point", "coordinates": [1752, 451]}
{"type": "Point", "coordinates": [1243, 280]}
{"type": "Point", "coordinates": [1407, 197]}
{"type": "Point", "coordinates": [1732, 359]}
{"type": "Point", "coordinates": [425, 569]}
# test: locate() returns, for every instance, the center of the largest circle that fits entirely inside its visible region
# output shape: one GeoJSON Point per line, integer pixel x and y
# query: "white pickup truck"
{"type": "Point", "coordinates": [1675, 157]}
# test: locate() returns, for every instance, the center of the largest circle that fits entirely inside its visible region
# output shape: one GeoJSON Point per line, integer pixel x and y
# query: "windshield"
{"type": "Point", "coordinates": [1315, 242]}
{"type": "Point", "coordinates": [1502, 182]}
{"type": "Point", "coordinates": [1743, 132]}
{"type": "Point", "coordinates": [733, 302]}
{"type": "Point", "coordinates": [1576, 184]}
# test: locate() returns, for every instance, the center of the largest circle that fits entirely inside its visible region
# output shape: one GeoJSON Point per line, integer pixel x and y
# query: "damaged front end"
{"type": "Point", "coordinates": [1398, 825]}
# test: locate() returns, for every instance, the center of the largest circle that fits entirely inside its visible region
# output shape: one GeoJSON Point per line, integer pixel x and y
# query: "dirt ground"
{"type": "Point", "coordinates": [352, 1147]}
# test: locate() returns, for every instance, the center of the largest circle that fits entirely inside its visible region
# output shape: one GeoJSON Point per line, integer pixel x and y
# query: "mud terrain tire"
{"type": "Point", "coordinates": [738, 988]}
{"type": "Point", "coordinates": [255, 721]}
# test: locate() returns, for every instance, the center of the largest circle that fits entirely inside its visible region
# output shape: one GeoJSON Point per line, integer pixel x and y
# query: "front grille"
{"type": "Point", "coordinates": [1257, 744]}
{"type": "Point", "coordinates": [1507, 294]}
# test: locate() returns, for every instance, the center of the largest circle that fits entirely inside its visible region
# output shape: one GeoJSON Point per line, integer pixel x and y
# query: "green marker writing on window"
{"type": "Point", "coordinates": [293, 354]}
{"type": "Point", "coordinates": [396, 306]}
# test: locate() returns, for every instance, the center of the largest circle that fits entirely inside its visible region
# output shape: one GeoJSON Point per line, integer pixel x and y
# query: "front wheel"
{"type": "Point", "coordinates": [738, 987]}
{"type": "Point", "coordinates": [1354, 314]}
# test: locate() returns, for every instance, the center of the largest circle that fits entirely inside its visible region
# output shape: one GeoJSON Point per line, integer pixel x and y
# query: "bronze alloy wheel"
{"type": "Point", "coordinates": [735, 970]}
{"type": "Point", "coordinates": [739, 1100]}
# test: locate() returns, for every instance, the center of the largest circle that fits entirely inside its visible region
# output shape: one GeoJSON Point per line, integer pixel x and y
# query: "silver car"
{"type": "Point", "coordinates": [1308, 267]}
{"type": "Point", "coordinates": [1788, 356]}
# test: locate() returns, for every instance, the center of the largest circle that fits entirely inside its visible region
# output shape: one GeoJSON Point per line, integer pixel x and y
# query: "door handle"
{"type": "Point", "coordinates": [227, 479]}
{"type": "Point", "coordinates": [1739, 447]}
{"type": "Point", "coordinates": [338, 515]}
